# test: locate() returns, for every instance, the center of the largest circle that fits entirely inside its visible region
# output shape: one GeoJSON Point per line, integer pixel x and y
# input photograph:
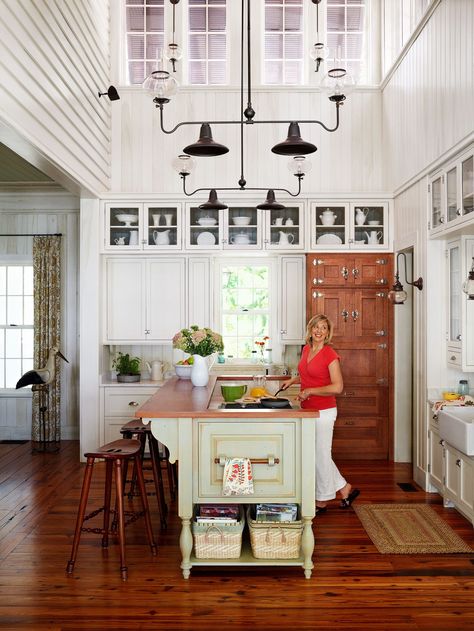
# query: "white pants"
{"type": "Point", "coordinates": [328, 478]}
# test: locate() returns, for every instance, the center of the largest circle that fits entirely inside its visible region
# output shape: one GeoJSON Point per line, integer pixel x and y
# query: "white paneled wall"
{"type": "Point", "coordinates": [428, 102]}
{"type": "Point", "coordinates": [348, 160]}
{"type": "Point", "coordinates": [54, 56]}
{"type": "Point", "coordinates": [45, 213]}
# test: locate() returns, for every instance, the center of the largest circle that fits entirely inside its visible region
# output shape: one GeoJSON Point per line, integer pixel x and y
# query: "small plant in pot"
{"type": "Point", "coordinates": [128, 368]}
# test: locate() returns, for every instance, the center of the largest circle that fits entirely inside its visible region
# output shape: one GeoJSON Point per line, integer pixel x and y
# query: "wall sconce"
{"type": "Point", "coordinates": [397, 295]}
{"type": "Point", "coordinates": [111, 93]}
{"type": "Point", "coordinates": [468, 285]}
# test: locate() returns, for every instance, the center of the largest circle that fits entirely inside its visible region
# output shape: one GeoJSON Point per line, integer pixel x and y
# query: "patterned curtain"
{"type": "Point", "coordinates": [46, 415]}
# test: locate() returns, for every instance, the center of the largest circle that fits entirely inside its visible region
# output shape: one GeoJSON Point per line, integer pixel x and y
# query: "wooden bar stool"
{"type": "Point", "coordinates": [114, 454]}
{"type": "Point", "coordinates": [136, 428]}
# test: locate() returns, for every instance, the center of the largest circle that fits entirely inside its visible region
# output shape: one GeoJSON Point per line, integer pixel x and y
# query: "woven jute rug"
{"type": "Point", "coordinates": [408, 529]}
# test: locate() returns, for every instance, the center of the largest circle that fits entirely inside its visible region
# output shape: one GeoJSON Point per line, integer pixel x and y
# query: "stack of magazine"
{"type": "Point", "coordinates": [218, 514]}
{"type": "Point", "coordinates": [276, 512]}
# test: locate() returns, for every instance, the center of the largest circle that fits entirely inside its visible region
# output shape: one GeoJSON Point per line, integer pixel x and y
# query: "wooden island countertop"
{"type": "Point", "coordinates": [178, 398]}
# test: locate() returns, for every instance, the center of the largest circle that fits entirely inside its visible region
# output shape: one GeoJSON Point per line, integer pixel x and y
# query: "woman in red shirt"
{"type": "Point", "coordinates": [321, 379]}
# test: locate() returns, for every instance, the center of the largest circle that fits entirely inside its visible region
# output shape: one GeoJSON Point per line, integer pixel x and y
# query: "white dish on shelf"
{"type": "Point", "coordinates": [241, 221]}
{"type": "Point", "coordinates": [329, 239]}
{"type": "Point", "coordinates": [127, 219]}
{"type": "Point", "coordinates": [207, 221]}
{"type": "Point", "coordinates": [206, 238]}
{"type": "Point", "coordinates": [373, 223]}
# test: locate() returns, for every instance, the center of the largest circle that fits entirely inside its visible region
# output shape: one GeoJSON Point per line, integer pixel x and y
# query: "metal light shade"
{"type": "Point", "coordinates": [206, 146]}
{"type": "Point", "coordinates": [212, 203]}
{"type": "Point", "coordinates": [294, 145]}
{"type": "Point", "coordinates": [270, 203]}
{"type": "Point", "coordinates": [111, 93]}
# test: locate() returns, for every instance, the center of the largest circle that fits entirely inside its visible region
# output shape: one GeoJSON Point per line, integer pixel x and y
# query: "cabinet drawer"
{"type": "Point", "coordinates": [248, 439]}
{"type": "Point", "coordinates": [125, 401]}
{"type": "Point", "coordinates": [362, 401]}
{"type": "Point", "coordinates": [454, 357]}
{"type": "Point", "coordinates": [360, 437]}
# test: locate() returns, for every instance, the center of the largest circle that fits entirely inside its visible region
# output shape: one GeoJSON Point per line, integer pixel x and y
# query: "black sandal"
{"type": "Point", "coordinates": [347, 501]}
{"type": "Point", "coordinates": [321, 509]}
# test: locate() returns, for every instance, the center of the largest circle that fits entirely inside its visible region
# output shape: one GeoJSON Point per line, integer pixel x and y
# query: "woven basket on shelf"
{"type": "Point", "coordinates": [274, 540]}
{"type": "Point", "coordinates": [218, 541]}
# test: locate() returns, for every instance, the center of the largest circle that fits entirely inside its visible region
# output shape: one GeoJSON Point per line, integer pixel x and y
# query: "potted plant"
{"type": "Point", "coordinates": [128, 368]}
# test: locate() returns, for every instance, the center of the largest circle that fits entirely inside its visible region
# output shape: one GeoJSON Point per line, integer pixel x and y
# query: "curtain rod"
{"type": "Point", "coordinates": [37, 234]}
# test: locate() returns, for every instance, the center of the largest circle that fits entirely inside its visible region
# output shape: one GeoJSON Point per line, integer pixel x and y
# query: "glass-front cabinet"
{"type": "Point", "coordinates": [244, 227]}
{"type": "Point", "coordinates": [349, 225]}
{"type": "Point", "coordinates": [467, 175]}
{"type": "Point", "coordinates": [143, 226]}
{"type": "Point", "coordinates": [454, 323]}
{"type": "Point", "coordinates": [437, 215]}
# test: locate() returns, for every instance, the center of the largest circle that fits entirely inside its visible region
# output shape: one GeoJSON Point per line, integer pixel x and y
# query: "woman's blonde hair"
{"type": "Point", "coordinates": [313, 322]}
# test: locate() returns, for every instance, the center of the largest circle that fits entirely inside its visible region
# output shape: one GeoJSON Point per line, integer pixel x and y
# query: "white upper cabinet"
{"type": "Point", "coordinates": [451, 194]}
{"type": "Point", "coordinates": [142, 226]}
{"type": "Point", "coordinates": [292, 299]}
{"type": "Point", "coordinates": [245, 228]}
{"type": "Point", "coordinates": [342, 226]}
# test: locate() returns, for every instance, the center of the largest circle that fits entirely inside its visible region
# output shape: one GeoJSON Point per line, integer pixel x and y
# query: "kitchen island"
{"type": "Point", "coordinates": [201, 434]}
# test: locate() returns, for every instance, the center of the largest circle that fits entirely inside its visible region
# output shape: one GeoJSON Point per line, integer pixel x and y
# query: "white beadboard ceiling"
{"type": "Point", "coordinates": [13, 169]}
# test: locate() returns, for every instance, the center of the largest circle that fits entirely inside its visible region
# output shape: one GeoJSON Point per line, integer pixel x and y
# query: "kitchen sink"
{"type": "Point", "coordinates": [456, 426]}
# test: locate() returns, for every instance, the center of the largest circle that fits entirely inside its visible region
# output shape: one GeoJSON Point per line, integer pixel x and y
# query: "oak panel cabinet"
{"type": "Point", "coordinates": [360, 437]}
{"type": "Point", "coordinates": [145, 299]}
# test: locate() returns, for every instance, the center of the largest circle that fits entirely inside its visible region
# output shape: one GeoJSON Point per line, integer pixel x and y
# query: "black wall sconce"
{"type": "Point", "coordinates": [397, 295]}
{"type": "Point", "coordinates": [111, 93]}
{"type": "Point", "coordinates": [468, 285]}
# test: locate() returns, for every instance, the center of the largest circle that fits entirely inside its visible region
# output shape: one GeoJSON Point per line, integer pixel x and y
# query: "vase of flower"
{"type": "Point", "coordinates": [200, 371]}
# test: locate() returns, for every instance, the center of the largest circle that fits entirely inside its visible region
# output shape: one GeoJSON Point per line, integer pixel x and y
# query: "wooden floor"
{"type": "Point", "coordinates": [353, 586]}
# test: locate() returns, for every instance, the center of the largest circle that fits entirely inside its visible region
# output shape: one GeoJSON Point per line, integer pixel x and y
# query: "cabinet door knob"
{"type": "Point", "coordinates": [344, 273]}
{"type": "Point", "coordinates": [441, 442]}
{"type": "Point", "coordinates": [453, 358]}
{"type": "Point", "coordinates": [458, 211]}
{"type": "Point", "coordinates": [355, 272]}
{"type": "Point", "coordinates": [435, 417]}
{"type": "Point", "coordinates": [458, 337]}
{"type": "Point", "coordinates": [441, 220]}
{"type": "Point", "coordinates": [355, 315]}
{"type": "Point", "coordinates": [134, 404]}
{"type": "Point", "coordinates": [283, 331]}
{"type": "Point", "coordinates": [345, 315]}
{"type": "Point", "coordinates": [458, 462]}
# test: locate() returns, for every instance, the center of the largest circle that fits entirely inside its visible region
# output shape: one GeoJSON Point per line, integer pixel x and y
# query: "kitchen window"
{"type": "Point", "coordinates": [16, 322]}
{"type": "Point", "coordinates": [207, 42]}
{"type": "Point", "coordinates": [245, 305]}
{"type": "Point", "coordinates": [346, 34]}
{"type": "Point", "coordinates": [145, 36]}
{"type": "Point", "coordinates": [283, 42]}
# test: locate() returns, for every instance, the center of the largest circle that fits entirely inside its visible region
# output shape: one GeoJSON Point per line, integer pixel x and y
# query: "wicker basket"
{"type": "Point", "coordinates": [218, 541]}
{"type": "Point", "coordinates": [279, 540]}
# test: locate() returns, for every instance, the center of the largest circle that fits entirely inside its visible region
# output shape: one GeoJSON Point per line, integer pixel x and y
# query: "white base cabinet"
{"type": "Point", "coordinates": [118, 406]}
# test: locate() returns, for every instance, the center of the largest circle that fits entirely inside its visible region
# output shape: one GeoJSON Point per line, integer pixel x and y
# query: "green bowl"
{"type": "Point", "coordinates": [233, 391]}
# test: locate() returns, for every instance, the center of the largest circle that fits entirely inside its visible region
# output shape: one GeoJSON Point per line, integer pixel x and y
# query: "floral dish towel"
{"type": "Point", "coordinates": [238, 478]}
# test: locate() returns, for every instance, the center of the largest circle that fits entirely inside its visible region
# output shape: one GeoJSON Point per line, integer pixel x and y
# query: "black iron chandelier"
{"type": "Point", "coordinates": [163, 86]}
{"type": "Point", "coordinates": [319, 51]}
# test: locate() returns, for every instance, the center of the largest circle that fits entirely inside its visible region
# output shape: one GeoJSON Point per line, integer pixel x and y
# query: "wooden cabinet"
{"type": "Point", "coordinates": [145, 299]}
{"type": "Point", "coordinates": [351, 289]}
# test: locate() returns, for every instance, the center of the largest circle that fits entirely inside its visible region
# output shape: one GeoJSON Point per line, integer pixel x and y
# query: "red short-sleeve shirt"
{"type": "Point", "coordinates": [315, 374]}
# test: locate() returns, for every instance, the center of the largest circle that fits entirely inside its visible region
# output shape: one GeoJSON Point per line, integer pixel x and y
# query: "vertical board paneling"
{"type": "Point", "coordinates": [53, 59]}
{"type": "Point", "coordinates": [428, 101]}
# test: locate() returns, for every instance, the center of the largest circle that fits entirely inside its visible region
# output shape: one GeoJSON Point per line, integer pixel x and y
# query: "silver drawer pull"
{"type": "Point", "coordinates": [380, 294]}
{"type": "Point", "coordinates": [380, 333]}
{"type": "Point", "coordinates": [349, 394]}
{"type": "Point", "coordinates": [381, 281]}
{"type": "Point", "coordinates": [317, 294]}
{"type": "Point", "coordinates": [381, 261]}
{"type": "Point", "coordinates": [270, 461]}
{"type": "Point", "coordinates": [349, 423]}
{"type": "Point", "coordinates": [317, 262]}
{"type": "Point", "coordinates": [134, 404]}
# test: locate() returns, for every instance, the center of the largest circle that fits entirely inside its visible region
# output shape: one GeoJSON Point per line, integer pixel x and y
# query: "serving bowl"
{"type": "Point", "coordinates": [207, 221]}
{"type": "Point", "coordinates": [241, 221]}
{"type": "Point", "coordinates": [127, 219]}
{"type": "Point", "coordinates": [183, 371]}
{"type": "Point", "coordinates": [233, 391]}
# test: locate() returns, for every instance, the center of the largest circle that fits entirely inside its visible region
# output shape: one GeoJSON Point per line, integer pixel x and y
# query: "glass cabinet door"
{"type": "Point", "coordinates": [455, 282]}
{"type": "Point", "coordinates": [330, 225]}
{"type": "Point", "coordinates": [284, 228]}
{"type": "Point", "coordinates": [468, 185]}
{"type": "Point", "coordinates": [436, 203]}
{"type": "Point", "coordinates": [162, 227]}
{"type": "Point", "coordinates": [243, 228]}
{"type": "Point", "coordinates": [452, 194]}
{"type": "Point", "coordinates": [370, 225]}
{"type": "Point", "coordinates": [203, 230]}
{"type": "Point", "coordinates": [122, 226]}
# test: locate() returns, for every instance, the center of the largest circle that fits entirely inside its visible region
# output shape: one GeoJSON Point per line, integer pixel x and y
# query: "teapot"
{"type": "Point", "coordinates": [240, 239]}
{"type": "Point", "coordinates": [119, 241]}
{"type": "Point", "coordinates": [289, 222]}
{"type": "Point", "coordinates": [327, 217]}
{"type": "Point", "coordinates": [361, 216]}
{"type": "Point", "coordinates": [373, 236]}
{"type": "Point", "coordinates": [155, 370]}
{"type": "Point", "coordinates": [286, 239]}
{"type": "Point", "coordinates": [162, 237]}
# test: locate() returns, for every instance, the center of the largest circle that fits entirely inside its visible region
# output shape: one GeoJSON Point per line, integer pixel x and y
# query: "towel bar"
{"type": "Point", "coordinates": [270, 461]}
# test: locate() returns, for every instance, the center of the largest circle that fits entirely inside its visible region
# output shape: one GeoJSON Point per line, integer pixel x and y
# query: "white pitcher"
{"type": "Point", "coordinates": [373, 236]}
{"type": "Point", "coordinates": [162, 237]}
{"type": "Point", "coordinates": [361, 216]}
{"type": "Point", "coordinates": [133, 237]}
{"type": "Point", "coordinates": [286, 239]}
{"type": "Point", "coordinates": [155, 370]}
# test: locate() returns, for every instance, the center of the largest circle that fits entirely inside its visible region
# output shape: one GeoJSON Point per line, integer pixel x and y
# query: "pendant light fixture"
{"type": "Point", "coordinates": [397, 295]}
{"type": "Point", "coordinates": [468, 285]}
{"type": "Point", "coordinates": [319, 51]}
{"type": "Point", "coordinates": [294, 145]}
{"type": "Point", "coordinates": [173, 52]}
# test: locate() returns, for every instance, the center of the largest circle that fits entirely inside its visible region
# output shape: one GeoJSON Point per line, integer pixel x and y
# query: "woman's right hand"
{"type": "Point", "coordinates": [286, 384]}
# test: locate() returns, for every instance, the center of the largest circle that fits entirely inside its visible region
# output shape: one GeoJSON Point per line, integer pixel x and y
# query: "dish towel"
{"type": "Point", "coordinates": [463, 400]}
{"type": "Point", "coordinates": [238, 478]}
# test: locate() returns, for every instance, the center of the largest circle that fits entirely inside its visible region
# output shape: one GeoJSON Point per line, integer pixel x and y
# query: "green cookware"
{"type": "Point", "coordinates": [233, 391]}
